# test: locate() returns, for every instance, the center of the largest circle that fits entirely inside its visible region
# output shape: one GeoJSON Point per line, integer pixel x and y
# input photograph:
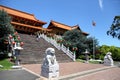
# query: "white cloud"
{"type": "Point", "coordinates": [101, 4]}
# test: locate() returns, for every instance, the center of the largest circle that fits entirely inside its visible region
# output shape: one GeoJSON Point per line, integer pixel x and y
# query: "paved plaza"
{"type": "Point", "coordinates": [81, 71]}
{"type": "Point", "coordinates": [68, 71]}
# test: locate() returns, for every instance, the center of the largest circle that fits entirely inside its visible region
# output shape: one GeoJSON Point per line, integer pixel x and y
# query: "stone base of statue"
{"type": "Point", "coordinates": [16, 67]}
{"type": "Point", "coordinates": [44, 78]}
{"type": "Point", "coordinates": [50, 67]}
{"type": "Point", "coordinates": [17, 50]}
{"type": "Point", "coordinates": [108, 61]}
{"type": "Point", "coordinates": [50, 71]}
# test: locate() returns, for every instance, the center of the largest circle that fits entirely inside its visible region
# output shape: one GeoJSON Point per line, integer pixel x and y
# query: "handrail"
{"type": "Point", "coordinates": [59, 47]}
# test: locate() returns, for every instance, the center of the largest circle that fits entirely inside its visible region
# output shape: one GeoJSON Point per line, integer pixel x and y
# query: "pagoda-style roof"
{"type": "Point", "coordinates": [20, 13]}
{"type": "Point", "coordinates": [59, 25]}
{"type": "Point", "coordinates": [54, 24]}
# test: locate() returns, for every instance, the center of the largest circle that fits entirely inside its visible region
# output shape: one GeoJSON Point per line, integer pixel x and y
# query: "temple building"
{"type": "Point", "coordinates": [24, 22]}
{"type": "Point", "coordinates": [59, 28]}
{"type": "Point", "coordinates": [27, 23]}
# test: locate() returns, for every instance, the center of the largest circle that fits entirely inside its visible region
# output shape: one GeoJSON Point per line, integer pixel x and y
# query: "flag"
{"type": "Point", "coordinates": [93, 23]}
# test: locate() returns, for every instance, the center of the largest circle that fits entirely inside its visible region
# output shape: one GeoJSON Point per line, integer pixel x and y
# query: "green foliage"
{"type": "Point", "coordinates": [114, 50]}
{"type": "Point", "coordinates": [104, 49]}
{"type": "Point", "coordinates": [115, 28]}
{"type": "Point", "coordinates": [6, 64]}
{"type": "Point", "coordinates": [5, 29]}
{"type": "Point", "coordinates": [95, 62]}
{"type": "Point", "coordinates": [3, 55]}
{"type": "Point", "coordinates": [80, 60]}
{"type": "Point", "coordinates": [5, 25]}
{"type": "Point", "coordinates": [92, 62]}
{"type": "Point", "coordinates": [82, 57]}
{"type": "Point", "coordinates": [75, 38]}
{"type": "Point", "coordinates": [89, 42]}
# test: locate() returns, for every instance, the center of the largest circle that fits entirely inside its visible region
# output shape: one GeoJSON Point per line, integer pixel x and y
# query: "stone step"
{"type": "Point", "coordinates": [34, 51]}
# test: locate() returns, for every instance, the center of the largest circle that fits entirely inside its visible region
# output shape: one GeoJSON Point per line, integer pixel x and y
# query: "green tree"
{"type": "Point", "coordinates": [89, 42]}
{"type": "Point", "coordinates": [115, 53]}
{"type": "Point", "coordinates": [75, 38]}
{"type": "Point", "coordinates": [103, 50]}
{"type": "Point", "coordinates": [92, 44]}
{"type": "Point", "coordinates": [115, 28]}
{"type": "Point", "coordinates": [114, 50]}
{"type": "Point", "coordinates": [5, 28]}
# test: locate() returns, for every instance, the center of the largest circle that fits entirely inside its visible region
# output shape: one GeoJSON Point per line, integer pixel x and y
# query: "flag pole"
{"type": "Point", "coordinates": [93, 24]}
{"type": "Point", "coordinates": [93, 49]}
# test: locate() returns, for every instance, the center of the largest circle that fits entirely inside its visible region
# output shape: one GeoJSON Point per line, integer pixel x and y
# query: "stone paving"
{"type": "Point", "coordinates": [68, 71]}
{"type": "Point", "coordinates": [65, 68]}
{"type": "Point", "coordinates": [110, 74]}
{"type": "Point", "coordinates": [75, 71]}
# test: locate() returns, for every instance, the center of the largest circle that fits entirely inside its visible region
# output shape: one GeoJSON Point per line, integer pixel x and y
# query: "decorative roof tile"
{"type": "Point", "coordinates": [20, 13]}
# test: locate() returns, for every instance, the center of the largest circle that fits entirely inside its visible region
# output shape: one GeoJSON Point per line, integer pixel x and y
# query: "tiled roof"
{"type": "Point", "coordinates": [63, 26]}
{"type": "Point", "coordinates": [29, 26]}
{"type": "Point", "coordinates": [19, 13]}
{"type": "Point", "coordinates": [60, 25]}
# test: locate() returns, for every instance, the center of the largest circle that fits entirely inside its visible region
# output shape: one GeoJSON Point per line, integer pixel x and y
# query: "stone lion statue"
{"type": "Point", "coordinates": [50, 58]}
{"type": "Point", "coordinates": [108, 59]}
{"type": "Point", "coordinates": [50, 67]}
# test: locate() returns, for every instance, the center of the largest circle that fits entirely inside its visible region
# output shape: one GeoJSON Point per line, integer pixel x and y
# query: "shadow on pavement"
{"type": "Point", "coordinates": [17, 75]}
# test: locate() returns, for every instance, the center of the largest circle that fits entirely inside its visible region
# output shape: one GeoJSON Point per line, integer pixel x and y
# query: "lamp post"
{"type": "Point", "coordinates": [74, 51]}
{"type": "Point", "coordinates": [17, 49]}
{"type": "Point", "coordinates": [86, 56]}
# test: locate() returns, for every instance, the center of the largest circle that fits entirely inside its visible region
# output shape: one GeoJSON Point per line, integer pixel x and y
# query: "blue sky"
{"type": "Point", "coordinates": [74, 12]}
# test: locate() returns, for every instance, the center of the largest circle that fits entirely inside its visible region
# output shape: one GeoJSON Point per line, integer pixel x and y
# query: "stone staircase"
{"type": "Point", "coordinates": [34, 51]}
